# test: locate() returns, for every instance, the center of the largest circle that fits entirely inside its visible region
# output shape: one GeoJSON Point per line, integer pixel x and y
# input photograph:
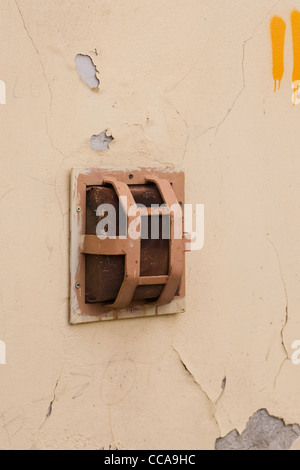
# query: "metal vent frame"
{"type": "Point", "coordinates": [171, 186]}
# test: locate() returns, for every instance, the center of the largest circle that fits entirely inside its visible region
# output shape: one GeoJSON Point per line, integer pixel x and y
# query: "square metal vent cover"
{"type": "Point", "coordinates": [125, 278]}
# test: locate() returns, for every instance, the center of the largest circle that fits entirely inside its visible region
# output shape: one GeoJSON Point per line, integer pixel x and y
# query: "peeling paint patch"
{"type": "Point", "coordinates": [263, 432]}
{"type": "Point", "coordinates": [101, 141]}
{"type": "Point", "coordinates": [87, 70]}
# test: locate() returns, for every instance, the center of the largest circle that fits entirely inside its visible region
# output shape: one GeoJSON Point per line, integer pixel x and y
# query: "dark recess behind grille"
{"type": "Point", "coordinates": [104, 274]}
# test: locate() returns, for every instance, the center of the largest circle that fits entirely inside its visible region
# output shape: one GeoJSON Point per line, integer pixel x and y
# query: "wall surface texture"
{"type": "Point", "coordinates": [185, 84]}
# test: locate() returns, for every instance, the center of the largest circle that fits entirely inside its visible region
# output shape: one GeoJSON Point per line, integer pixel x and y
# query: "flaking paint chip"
{"type": "Point", "coordinates": [263, 432]}
{"type": "Point", "coordinates": [101, 141]}
{"type": "Point", "coordinates": [87, 70]}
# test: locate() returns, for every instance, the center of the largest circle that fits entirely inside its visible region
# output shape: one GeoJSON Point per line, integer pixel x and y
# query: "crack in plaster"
{"type": "Point", "coordinates": [42, 67]}
{"type": "Point", "coordinates": [223, 387]}
{"type": "Point", "coordinates": [46, 119]}
{"type": "Point", "coordinates": [81, 390]}
{"type": "Point", "coordinates": [210, 401]}
{"type": "Point", "coordinates": [12, 422]}
{"type": "Point", "coordinates": [217, 126]}
{"type": "Point", "coordinates": [190, 69]}
{"type": "Point", "coordinates": [38, 179]}
{"type": "Point", "coordinates": [50, 409]}
{"type": "Point", "coordinates": [187, 138]}
{"type": "Point", "coordinates": [48, 414]}
{"type": "Point", "coordinates": [5, 429]}
{"type": "Point", "coordinates": [6, 193]}
{"type": "Point", "coordinates": [286, 319]}
{"type": "Point", "coordinates": [36, 50]}
{"type": "Point", "coordinates": [112, 430]}
{"type": "Point", "coordinates": [45, 77]}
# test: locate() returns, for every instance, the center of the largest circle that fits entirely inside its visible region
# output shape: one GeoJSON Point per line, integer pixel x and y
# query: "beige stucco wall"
{"type": "Point", "coordinates": [184, 83]}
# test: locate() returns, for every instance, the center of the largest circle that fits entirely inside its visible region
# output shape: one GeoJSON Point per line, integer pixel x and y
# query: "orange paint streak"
{"type": "Point", "coordinates": [278, 28]}
{"type": "Point", "coordinates": [295, 20]}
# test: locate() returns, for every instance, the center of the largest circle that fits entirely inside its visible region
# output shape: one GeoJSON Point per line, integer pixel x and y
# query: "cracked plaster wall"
{"type": "Point", "coordinates": [188, 86]}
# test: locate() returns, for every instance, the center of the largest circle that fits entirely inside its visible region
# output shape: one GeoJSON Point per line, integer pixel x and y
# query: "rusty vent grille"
{"type": "Point", "coordinates": [105, 273]}
{"type": "Point", "coordinates": [124, 276]}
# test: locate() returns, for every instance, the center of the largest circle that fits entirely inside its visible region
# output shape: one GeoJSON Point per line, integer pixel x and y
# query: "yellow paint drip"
{"type": "Point", "coordinates": [278, 28]}
{"type": "Point", "coordinates": [295, 20]}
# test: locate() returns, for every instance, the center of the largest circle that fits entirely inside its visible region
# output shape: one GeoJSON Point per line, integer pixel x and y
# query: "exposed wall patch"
{"type": "Point", "coordinates": [101, 141]}
{"type": "Point", "coordinates": [263, 432]}
{"type": "Point", "coordinates": [87, 70]}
